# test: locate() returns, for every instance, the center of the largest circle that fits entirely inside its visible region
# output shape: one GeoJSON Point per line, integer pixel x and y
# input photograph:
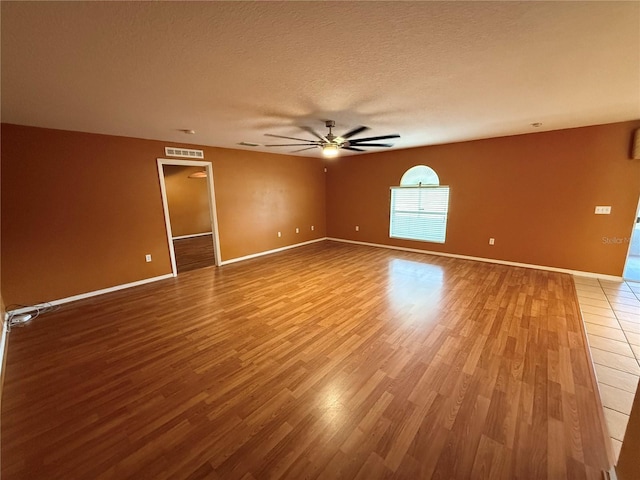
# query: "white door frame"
{"type": "Point", "coordinates": [633, 233]}
{"type": "Point", "coordinates": [212, 206]}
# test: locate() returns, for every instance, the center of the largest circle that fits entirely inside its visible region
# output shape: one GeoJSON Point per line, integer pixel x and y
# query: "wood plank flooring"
{"type": "Point", "coordinates": [328, 361]}
{"type": "Point", "coordinates": [194, 253]}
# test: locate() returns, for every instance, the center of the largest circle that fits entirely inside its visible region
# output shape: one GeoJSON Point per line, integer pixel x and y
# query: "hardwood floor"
{"type": "Point", "coordinates": [194, 253]}
{"type": "Point", "coordinates": [326, 361]}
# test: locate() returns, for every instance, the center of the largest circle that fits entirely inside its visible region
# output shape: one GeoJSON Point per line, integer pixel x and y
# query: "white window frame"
{"type": "Point", "coordinates": [418, 222]}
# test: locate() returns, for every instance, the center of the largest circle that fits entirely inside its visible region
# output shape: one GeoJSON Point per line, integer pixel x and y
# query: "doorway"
{"type": "Point", "coordinates": [188, 201]}
{"type": "Point", "coordinates": [632, 266]}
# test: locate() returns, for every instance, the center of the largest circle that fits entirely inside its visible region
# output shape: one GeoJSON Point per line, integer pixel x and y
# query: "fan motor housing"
{"type": "Point", "coordinates": [331, 142]}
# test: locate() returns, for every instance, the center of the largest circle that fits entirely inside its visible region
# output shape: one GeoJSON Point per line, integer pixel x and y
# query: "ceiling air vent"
{"type": "Point", "coordinates": [183, 152]}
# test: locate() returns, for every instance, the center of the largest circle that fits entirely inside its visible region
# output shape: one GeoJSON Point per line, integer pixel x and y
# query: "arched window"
{"type": "Point", "coordinates": [419, 206]}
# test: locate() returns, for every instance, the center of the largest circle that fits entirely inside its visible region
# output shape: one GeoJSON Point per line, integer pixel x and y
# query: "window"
{"type": "Point", "coordinates": [419, 206]}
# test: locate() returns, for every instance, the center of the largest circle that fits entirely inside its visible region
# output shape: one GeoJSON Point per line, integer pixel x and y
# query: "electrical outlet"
{"type": "Point", "coordinates": [492, 241]}
{"type": "Point", "coordinates": [279, 234]}
{"type": "Point", "coordinates": [312, 228]}
{"type": "Point", "coordinates": [147, 257]}
{"type": "Point", "coordinates": [603, 210]}
{"type": "Point", "coordinates": [357, 228]}
{"type": "Point", "coordinates": [297, 230]}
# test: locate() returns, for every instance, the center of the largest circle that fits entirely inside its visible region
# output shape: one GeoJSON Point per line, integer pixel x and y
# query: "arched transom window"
{"type": "Point", "coordinates": [419, 206]}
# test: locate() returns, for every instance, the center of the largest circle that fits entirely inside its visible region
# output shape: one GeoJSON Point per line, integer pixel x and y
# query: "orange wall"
{"type": "Point", "coordinates": [188, 200]}
{"type": "Point", "coordinates": [80, 211]}
{"type": "Point", "coordinates": [266, 193]}
{"type": "Point", "coordinates": [535, 194]}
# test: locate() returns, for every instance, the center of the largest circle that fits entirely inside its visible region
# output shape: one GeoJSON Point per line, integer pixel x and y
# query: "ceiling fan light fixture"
{"type": "Point", "coordinates": [330, 150]}
{"type": "Point", "coordinates": [331, 144]}
{"type": "Point", "coordinates": [201, 174]}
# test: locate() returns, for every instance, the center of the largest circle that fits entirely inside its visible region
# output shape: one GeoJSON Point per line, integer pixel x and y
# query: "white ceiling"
{"type": "Point", "coordinates": [434, 72]}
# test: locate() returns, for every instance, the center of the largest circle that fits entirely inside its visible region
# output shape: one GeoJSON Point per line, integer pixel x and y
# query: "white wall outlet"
{"type": "Point", "coordinates": [297, 230]}
{"type": "Point", "coordinates": [325, 169]}
{"type": "Point", "coordinates": [312, 228]}
{"type": "Point", "coordinates": [279, 234]}
{"type": "Point", "coordinates": [357, 228]}
{"type": "Point", "coordinates": [603, 210]}
{"type": "Point", "coordinates": [147, 257]}
{"type": "Point", "coordinates": [492, 241]}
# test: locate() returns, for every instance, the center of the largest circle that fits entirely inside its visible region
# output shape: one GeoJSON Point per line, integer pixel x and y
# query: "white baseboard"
{"type": "Point", "coordinates": [486, 260]}
{"type": "Point", "coordinates": [192, 235]}
{"type": "Point", "coordinates": [155, 279]}
{"type": "Point", "coordinates": [268, 252]}
{"type": "Point", "coordinates": [95, 293]}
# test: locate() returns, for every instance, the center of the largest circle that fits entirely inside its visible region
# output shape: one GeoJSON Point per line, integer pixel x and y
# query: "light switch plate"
{"type": "Point", "coordinates": [603, 210]}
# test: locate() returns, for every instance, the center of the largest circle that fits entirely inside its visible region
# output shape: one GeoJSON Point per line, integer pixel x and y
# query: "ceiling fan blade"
{"type": "Point", "coordinates": [314, 133]}
{"type": "Point", "coordinates": [353, 149]}
{"type": "Point", "coordinates": [353, 132]}
{"type": "Point", "coordinates": [303, 149]}
{"type": "Point", "coordinates": [291, 145]}
{"type": "Point", "coordinates": [381, 137]}
{"type": "Point", "coordinates": [289, 138]}
{"type": "Point", "coordinates": [372, 144]}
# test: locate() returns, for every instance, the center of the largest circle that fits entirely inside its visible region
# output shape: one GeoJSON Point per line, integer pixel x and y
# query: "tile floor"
{"type": "Point", "coordinates": [611, 314]}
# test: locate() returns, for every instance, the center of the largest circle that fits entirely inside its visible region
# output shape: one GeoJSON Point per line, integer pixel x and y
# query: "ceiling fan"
{"type": "Point", "coordinates": [331, 144]}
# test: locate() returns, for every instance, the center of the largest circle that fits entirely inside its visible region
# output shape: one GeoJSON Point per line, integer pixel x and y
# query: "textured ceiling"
{"type": "Point", "coordinates": [434, 72]}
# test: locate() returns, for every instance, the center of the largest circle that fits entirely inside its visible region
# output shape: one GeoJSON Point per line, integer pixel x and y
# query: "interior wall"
{"type": "Point", "coordinates": [188, 200]}
{"type": "Point", "coordinates": [3, 356]}
{"type": "Point", "coordinates": [263, 194]}
{"type": "Point", "coordinates": [535, 194]}
{"type": "Point", "coordinates": [80, 211]}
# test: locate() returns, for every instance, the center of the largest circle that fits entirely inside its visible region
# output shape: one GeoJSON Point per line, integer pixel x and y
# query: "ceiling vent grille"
{"type": "Point", "coordinates": [183, 152]}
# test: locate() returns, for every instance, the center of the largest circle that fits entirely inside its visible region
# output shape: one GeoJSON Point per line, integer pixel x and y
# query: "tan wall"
{"type": "Point", "coordinates": [80, 211]}
{"type": "Point", "coordinates": [535, 194]}
{"type": "Point", "coordinates": [188, 200]}
{"type": "Point", "coordinates": [263, 194]}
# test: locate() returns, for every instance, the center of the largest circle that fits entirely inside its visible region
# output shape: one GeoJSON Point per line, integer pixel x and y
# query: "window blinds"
{"type": "Point", "coordinates": [419, 213]}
